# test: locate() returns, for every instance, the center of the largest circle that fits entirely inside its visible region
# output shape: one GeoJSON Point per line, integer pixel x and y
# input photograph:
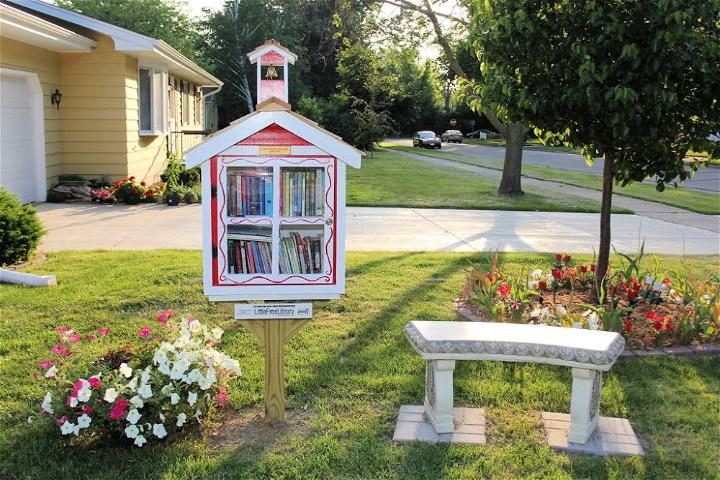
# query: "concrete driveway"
{"type": "Point", "coordinates": [140, 227]}
{"type": "Point", "coordinates": [706, 179]}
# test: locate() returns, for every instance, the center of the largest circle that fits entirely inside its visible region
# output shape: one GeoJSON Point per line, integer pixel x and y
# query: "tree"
{"type": "Point", "coordinates": [514, 132]}
{"type": "Point", "coordinates": [637, 83]}
{"type": "Point", "coordinates": [161, 19]}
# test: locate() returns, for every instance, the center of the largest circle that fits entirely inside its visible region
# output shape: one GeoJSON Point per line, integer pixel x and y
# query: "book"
{"type": "Point", "coordinates": [300, 254]}
{"type": "Point", "coordinates": [301, 192]}
{"type": "Point", "coordinates": [249, 192]}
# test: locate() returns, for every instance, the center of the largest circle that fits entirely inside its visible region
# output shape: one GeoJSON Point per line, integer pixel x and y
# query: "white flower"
{"type": "Point", "coordinates": [167, 389]}
{"type": "Point", "coordinates": [110, 395]}
{"type": "Point", "coordinates": [205, 383]}
{"type": "Point", "coordinates": [67, 428]}
{"type": "Point", "coordinates": [140, 441]}
{"type": "Point", "coordinates": [162, 417]}
{"type": "Point", "coordinates": [592, 319]}
{"type": "Point", "coordinates": [52, 371]}
{"type": "Point", "coordinates": [164, 368]}
{"type": "Point", "coordinates": [125, 371]}
{"type": "Point", "coordinates": [73, 402]}
{"type": "Point", "coordinates": [137, 401]}
{"type": "Point", "coordinates": [131, 431]}
{"type": "Point", "coordinates": [84, 421]}
{"type": "Point", "coordinates": [145, 391]}
{"type": "Point", "coordinates": [174, 398]}
{"type": "Point", "coordinates": [160, 357]}
{"type": "Point", "coordinates": [181, 419]}
{"type": "Point", "coordinates": [145, 377]}
{"type": "Point", "coordinates": [649, 279]}
{"type": "Point", "coordinates": [194, 376]}
{"type": "Point", "coordinates": [192, 398]}
{"type": "Point", "coordinates": [132, 385]}
{"type": "Point", "coordinates": [178, 369]}
{"type": "Point", "coordinates": [133, 416]}
{"type": "Point", "coordinates": [577, 325]}
{"type": "Point", "coordinates": [159, 430]}
{"type": "Point", "coordinates": [47, 403]}
{"type": "Point", "coordinates": [536, 274]}
{"type": "Point", "coordinates": [560, 309]}
{"type": "Point", "coordinates": [83, 394]}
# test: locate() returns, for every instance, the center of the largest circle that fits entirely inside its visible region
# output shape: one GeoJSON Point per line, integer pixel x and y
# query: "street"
{"type": "Point", "coordinates": [705, 179]}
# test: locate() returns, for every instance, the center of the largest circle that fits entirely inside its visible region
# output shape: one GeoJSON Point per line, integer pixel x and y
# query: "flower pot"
{"type": "Point", "coordinates": [173, 199]}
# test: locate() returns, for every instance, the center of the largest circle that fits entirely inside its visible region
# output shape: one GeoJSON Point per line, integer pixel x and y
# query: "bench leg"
{"type": "Point", "coordinates": [439, 394]}
{"type": "Point", "coordinates": [584, 404]}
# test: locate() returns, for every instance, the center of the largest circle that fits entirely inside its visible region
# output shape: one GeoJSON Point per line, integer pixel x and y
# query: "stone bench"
{"type": "Point", "coordinates": [587, 352]}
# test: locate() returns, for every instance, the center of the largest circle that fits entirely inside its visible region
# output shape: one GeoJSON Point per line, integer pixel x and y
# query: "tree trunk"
{"type": "Point", "coordinates": [604, 251]}
{"type": "Point", "coordinates": [511, 182]}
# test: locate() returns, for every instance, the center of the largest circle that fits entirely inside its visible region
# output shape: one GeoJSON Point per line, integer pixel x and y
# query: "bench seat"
{"type": "Point", "coordinates": [587, 352]}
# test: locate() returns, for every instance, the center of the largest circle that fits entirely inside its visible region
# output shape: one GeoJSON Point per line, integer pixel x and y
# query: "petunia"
{"type": "Point", "coordinates": [125, 371]}
{"type": "Point", "coordinates": [63, 329]}
{"type": "Point", "coordinates": [67, 428]}
{"type": "Point", "coordinates": [94, 382]}
{"type": "Point", "coordinates": [133, 416]}
{"type": "Point", "coordinates": [61, 350]}
{"type": "Point", "coordinates": [144, 332]}
{"type": "Point", "coordinates": [110, 395]}
{"type": "Point", "coordinates": [137, 401]}
{"type": "Point", "coordinates": [83, 395]}
{"type": "Point", "coordinates": [45, 363]}
{"type": "Point", "coordinates": [91, 337]}
{"type": "Point", "coordinates": [145, 391]}
{"type": "Point", "coordinates": [181, 419]}
{"type": "Point", "coordinates": [164, 316]}
{"type": "Point", "coordinates": [131, 431]}
{"type": "Point", "coordinates": [222, 397]}
{"type": "Point", "coordinates": [174, 398]}
{"type": "Point", "coordinates": [104, 331]}
{"type": "Point", "coordinates": [140, 441]}
{"type": "Point", "coordinates": [74, 337]}
{"type": "Point", "coordinates": [192, 398]}
{"type": "Point", "coordinates": [159, 430]}
{"type": "Point", "coordinates": [52, 371]}
{"type": "Point", "coordinates": [47, 404]}
{"type": "Point", "coordinates": [118, 409]}
{"type": "Point", "coordinates": [84, 420]}
{"type": "Point", "coordinates": [71, 401]}
{"type": "Point", "coordinates": [87, 409]}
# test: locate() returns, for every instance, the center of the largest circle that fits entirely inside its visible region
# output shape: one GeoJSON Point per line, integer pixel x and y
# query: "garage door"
{"type": "Point", "coordinates": [19, 145]}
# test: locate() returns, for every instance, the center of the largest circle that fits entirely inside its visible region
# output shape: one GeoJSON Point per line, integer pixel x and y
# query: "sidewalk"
{"type": "Point", "coordinates": [140, 227]}
{"type": "Point", "coordinates": [657, 211]}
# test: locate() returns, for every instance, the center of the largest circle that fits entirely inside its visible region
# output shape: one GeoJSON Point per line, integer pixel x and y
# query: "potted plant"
{"type": "Point", "coordinates": [172, 198]}
{"type": "Point", "coordinates": [129, 191]}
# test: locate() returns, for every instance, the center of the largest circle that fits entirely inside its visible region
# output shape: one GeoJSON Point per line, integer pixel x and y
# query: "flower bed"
{"type": "Point", "coordinates": [649, 308]}
{"type": "Point", "coordinates": [128, 190]}
{"type": "Point", "coordinates": [143, 392]}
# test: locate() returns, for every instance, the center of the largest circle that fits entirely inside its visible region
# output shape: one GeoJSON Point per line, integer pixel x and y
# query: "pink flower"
{"type": "Point", "coordinates": [145, 332]}
{"type": "Point", "coordinates": [45, 363]}
{"type": "Point", "coordinates": [191, 319]}
{"type": "Point", "coordinates": [92, 337]}
{"type": "Point", "coordinates": [222, 397]}
{"type": "Point", "coordinates": [118, 410]}
{"type": "Point", "coordinates": [77, 386]}
{"type": "Point", "coordinates": [63, 329]}
{"type": "Point", "coordinates": [87, 410]}
{"type": "Point", "coordinates": [164, 316]}
{"type": "Point", "coordinates": [103, 331]}
{"type": "Point", "coordinates": [60, 421]}
{"type": "Point", "coordinates": [74, 337]}
{"type": "Point", "coordinates": [504, 289]}
{"type": "Point", "coordinates": [515, 305]}
{"type": "Point", "coordinates": [61, 350]}
{"type": "Point", "coordinates": [69, 400]}
{"type": "Point", "coordinates": [94, 382]}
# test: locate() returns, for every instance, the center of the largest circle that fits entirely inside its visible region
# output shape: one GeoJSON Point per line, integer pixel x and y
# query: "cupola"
{"type": "Point", "coordinates": [272, 70]}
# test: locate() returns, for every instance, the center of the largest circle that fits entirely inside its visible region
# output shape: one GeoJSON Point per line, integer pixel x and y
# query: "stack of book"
{"type": "Point", "coordinates": [249, 192]}
{"type": "Point", "coordinates": [302, 192]}
{"type": "Point", "coordinates": [250, 252]}
{"type": "Point", "coordinates": [300, 254]}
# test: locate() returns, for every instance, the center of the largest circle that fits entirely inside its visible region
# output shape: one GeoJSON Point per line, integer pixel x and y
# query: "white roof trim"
{"type": "Point", "coordinates": [224, 139]}
{"type": "Point", "coordinates": [24, 27]}
{"type": "Point", "coordinates": [255, 54]}
{"type": "Point", "coordinates": [127, 41]}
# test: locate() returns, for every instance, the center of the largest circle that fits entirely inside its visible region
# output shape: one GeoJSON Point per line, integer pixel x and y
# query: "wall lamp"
{"type": "Point", "coordinates": [55, 98]}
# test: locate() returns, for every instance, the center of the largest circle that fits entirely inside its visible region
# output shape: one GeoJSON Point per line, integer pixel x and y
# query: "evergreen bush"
{"type": "Point", "coordinates": [20, 230]}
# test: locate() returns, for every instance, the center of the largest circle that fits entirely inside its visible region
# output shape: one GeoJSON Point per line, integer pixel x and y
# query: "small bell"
{"type": "Point", "coordinates": [271, 73]}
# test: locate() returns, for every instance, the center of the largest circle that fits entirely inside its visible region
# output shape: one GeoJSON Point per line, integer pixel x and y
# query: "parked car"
{"type": "Point", "coordinates": [426, 139]}
{"type": "Point", "coordinates": [452, 136]}
{"type": "Point", "coordinates": [482, 133]}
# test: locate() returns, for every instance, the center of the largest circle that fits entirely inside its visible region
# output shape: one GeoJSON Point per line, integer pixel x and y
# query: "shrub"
{"type": "Point", "coordinates": [177, 175]}
{"type": "Point", "coordinates": [172, 376]}
{"type": "Point", "coordinates": [20, 230]}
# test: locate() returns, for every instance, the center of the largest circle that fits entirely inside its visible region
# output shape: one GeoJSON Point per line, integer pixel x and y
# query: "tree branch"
{"type": "Point", "coordinates": [408, 5]}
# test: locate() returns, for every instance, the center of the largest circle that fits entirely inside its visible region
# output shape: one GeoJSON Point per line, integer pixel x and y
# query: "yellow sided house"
{"type": "Point", "coordinates": [81, 96]}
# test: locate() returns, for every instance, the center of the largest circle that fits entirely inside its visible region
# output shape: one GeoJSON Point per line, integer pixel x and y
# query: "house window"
{"type": "Point", "coordinates": [152, 101]}
{"type": "Point", "coordinates": [145, 98]}
{"type": "Point", "coordinates": [198, 106]}
{"type": "Point", "coordinates": [185, 103]}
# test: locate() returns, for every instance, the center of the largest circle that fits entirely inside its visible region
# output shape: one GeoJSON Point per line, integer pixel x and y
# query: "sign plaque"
{"type": "Point", "coordinates": [275, 150]}
{"type": "Point", "coordinates": [272, 311]}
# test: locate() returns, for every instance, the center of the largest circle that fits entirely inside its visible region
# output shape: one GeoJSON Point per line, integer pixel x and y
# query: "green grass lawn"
{"type": "Point", "coordinates": [392, 180]}
{"type": "Point", "coordinates": [531, 144]}
{"type": "Point", "coordinates": [347, 374]}
{"type": "Point", "coordinates": [701, 202]}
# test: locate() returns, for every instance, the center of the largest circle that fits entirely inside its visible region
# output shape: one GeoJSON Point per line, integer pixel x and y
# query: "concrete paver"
{"type": "Point", "coordinates": [140, 227]}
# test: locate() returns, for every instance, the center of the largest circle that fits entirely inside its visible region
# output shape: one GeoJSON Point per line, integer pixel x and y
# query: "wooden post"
{"type": "Point", "coordinates": [273, 334]}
